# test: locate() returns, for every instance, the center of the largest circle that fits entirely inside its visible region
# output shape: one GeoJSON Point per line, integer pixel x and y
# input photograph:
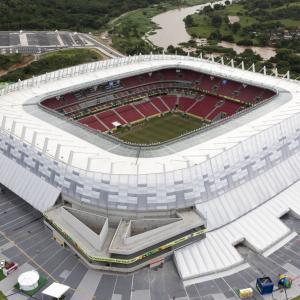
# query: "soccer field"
{"type": "Point", "coordinates": [159, 129]}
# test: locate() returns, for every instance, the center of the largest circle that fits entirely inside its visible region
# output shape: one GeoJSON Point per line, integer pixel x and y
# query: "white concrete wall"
{"type": "Point", "coordinates": [94, 239]}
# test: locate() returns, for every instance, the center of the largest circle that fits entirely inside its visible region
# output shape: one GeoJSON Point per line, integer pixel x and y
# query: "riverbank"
{"type": "Point", "coordinates": [244, 24]}
{"type": "Point", "coordinates": [128, 31]}
{"type": "Point", "coordinates": [170, 25]}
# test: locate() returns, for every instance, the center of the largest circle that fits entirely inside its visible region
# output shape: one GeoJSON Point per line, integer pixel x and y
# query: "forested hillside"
{"type": "Point", "coordinates": [79, 15]}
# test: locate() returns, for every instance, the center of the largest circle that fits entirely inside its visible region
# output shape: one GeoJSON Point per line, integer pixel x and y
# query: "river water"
{"type": "Point", "coordinates": [172, 27]}
{"type": "Point", "coordinates": [172, 31]}
{"type": "Point", "coordinates": [265, 52]}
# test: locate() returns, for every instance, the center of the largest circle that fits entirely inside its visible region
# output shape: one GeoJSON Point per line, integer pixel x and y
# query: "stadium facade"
{"type": "Point", "coordinates": [233, 180]}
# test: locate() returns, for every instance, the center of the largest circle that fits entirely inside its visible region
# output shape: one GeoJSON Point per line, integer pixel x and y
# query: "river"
{"type": "Point", "coordinates": [172, 31]}
{"type": "Point", "coordinates": [265, 52]}
{"type": "Point", "coordinates": [172, 27]}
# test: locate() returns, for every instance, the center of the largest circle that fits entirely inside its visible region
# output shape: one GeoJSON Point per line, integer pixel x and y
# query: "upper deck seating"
{"type": "Point", "coordinates": [228, 88]}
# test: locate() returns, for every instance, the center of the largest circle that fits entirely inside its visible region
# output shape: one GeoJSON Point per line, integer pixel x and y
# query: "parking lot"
{"type": "Point", "coordinates": [35, 42]}
{"type": "Point", "coordinates": [25, 240]}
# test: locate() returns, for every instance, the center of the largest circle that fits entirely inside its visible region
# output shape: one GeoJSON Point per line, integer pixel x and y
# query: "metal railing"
{"type": "Point", "coordinates": [102, 65]}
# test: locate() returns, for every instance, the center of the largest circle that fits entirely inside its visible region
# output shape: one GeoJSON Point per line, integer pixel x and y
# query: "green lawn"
{"type": "Point", "coordinates": [202, 27]}
{"type": "Point", "coordinates": [159, 129]}
{"type": "Point", "coordinates": [2, 297]}
{"type": "Point", "coordinates": [1, 275]}
{"type": "Point", "coordinates": [42, 282]}
{"type": "Point", "coordinates": [53, 61]}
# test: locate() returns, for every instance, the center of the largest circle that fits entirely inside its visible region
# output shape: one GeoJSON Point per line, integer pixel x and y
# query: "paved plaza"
{"type": "Point", "coordinates": [25, 239]}
{"type": "Point", "coordinates": [35, 42]}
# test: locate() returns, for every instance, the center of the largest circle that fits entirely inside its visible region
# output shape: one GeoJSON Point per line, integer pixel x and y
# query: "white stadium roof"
{"type": "Point", "coordinates": [98, 159]}
{"type": "Point", "coordinates": [242, 176]}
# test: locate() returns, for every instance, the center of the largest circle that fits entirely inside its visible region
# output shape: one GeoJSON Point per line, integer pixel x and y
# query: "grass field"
{"type": "Point", "coordinates": [202, 25]}
{"type": "Point", "coordinates": [53, 61]}
{"type": "Point", "coordinates": [204, 29]}
{"type": "Point", "coordinates": [2, 297]}
{"type": "Point", "coordinates": [41, 283]}
{"type": "Point", "coordinates": [1, 275]}
{"type": "Point", "coordinates": [159, 129]}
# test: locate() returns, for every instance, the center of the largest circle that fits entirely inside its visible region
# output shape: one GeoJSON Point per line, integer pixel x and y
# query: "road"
{"type": "Point", "coordinates": [36, 42]}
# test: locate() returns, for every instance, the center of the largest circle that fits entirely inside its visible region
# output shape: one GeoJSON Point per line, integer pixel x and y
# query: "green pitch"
{"type": "Point", "coordinates": [159, 129]}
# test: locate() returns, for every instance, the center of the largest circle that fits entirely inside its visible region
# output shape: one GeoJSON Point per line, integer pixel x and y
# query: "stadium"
{"type": "Point", "coordinates": [133, 159]}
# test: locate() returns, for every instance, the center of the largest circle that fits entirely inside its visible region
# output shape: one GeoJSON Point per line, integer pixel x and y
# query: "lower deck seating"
{"type": "Point", "coordinates": [92, 122]}
{"type": "Point", "coordinates": [210, 108]}
{"type": "Point", "coordinates": [147, 109]}
{"type": "Point", "coordinates": [228, 108]}
{"type": "Point", "coordinates": [205, 96]}
{"type": "Point", "coordinates": [169, 101]}
{"type": "Point", "coordinates": [204, 107]}
{"type": "Point", "coordinates": [185, 103]}
{"type": "Point", "coordinates": [109, 117]}
{"type": "Point", "coordinates": [159, 104]}
{"type": "Point", "coordinates": [129, 113]}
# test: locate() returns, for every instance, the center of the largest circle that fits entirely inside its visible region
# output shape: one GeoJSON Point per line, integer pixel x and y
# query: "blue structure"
{"type": "Point", "coordinates": [264, 285]}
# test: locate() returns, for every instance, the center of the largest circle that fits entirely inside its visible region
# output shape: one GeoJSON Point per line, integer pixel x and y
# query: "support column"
{"type": "Point", "coordinates": [45, 147]}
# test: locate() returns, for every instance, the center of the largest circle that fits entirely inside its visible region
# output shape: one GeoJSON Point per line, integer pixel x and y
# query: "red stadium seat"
{"type": "Point", "coordinates": [129, 113]}
{"type": "Point", "coordinates": [169, 101]}
{"type": "Point", "coordinates": [185, 103]}
{"type": "Point", "coordinates": [147, 109]}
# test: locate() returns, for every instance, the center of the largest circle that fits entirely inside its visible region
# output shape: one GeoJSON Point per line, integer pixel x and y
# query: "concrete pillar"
{"type": "Point", "coordinates": [89, 162]}
{"type": "Point", "coordinates": [57, 152]}
{"type": "Point", "coordinates": [70, 159]}
{"type": "Point", "coordinates": [13, 128]}
{"type": "Point", "coordinates": [23, 133]}
{"type": "Point", "coordinates": [45, 147]}
{"type": "Point", "coordinates": [3, 122]}
{"type": "Point", "coordinates": [34, 139]}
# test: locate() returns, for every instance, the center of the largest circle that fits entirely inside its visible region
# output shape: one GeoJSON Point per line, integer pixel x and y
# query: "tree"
{"type": "Point", "coordinates": [171, 49]}
{"type": "Point", "coordinates": [216, 35]}
{"type": "Point", "coordinates": [245, 42]}
{"type": "Point", "coordinates": [216, 21]}
{"type": "Point", "coordinates": [235, 27]}
{"type": "Point", "coordinates": [206, 10]}
{"type": "Point", "coordinates": [189, 22]}
{"type": "Point", "coordinates": [228, 38]}
{"type": "Point", "coordinates": [219, 7]}
{"type": "Point", "coordinates": [264, 40]}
